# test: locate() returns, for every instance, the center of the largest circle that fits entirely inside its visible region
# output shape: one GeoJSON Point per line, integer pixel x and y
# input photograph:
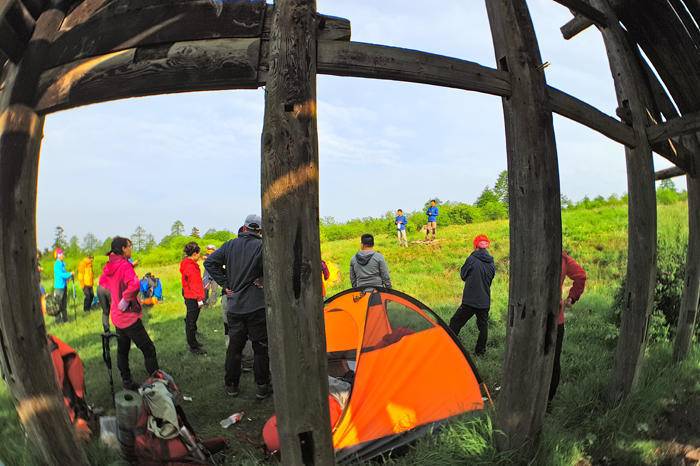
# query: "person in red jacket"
{"type": "Point", "coordinates": [571, 269]}
{"type": "Point", "coordinates": [193, 292]}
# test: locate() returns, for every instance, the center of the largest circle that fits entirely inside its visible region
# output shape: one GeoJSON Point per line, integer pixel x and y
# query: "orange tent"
{"type": "Point", "coordinates": [408, 370]}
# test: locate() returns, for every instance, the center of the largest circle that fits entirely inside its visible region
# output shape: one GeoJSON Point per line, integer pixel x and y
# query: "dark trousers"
{"type": "Point", "coordinates": [556, 370]}
{"type": "Point", "coordinates": [462, 316]}
{"type": "Point", "coordinates": [89, 295]}
{"type": "Point", "coordinates": [243, 327]}
{"type": "Point", "coordinates": [62, 298]}
{"type": "Point", "coordinates": [136, 333]}
{"type": "Point", "coordinates": [191, 322]}
{"type": "Point", "coordinates": [105, 298]}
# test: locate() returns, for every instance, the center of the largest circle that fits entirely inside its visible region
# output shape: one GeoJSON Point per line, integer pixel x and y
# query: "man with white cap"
{"type": "Point", "coordinates": [238, 267]}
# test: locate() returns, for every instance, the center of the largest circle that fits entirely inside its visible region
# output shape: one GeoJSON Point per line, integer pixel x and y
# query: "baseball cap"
{"type": "Point", "coordinates": [210, 247]}
{"type": "Point", "coordinates": [253, 222]}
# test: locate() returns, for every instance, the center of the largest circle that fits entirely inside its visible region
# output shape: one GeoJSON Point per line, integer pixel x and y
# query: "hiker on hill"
{"type": "Point", "coordinates": [238, 267]}
{"type": "Point", "coordinates": [432, 214]}
{"type": "Point", "coordinates": [401, 223]}
{"type": "Point", "coordinates": [368, 267]}
{"type": "Point", "coordinates": [569, 268]}
{"type": "Point", "coordinates": [193, 292]}
{"type": "Point", "coordinates": [86, 281]}
{"type": "Point", "coordinates": [104, 296]}
{"type": "Point", "coordinates": [123, 284]}
{"type": "Point", "coordinates": [477, 273]}
{"type": "Point", "coordinates": [211, 288]}
{"type": "Point", "coordinates": [325, 275]}
{"type": "Point", "coordinates": [61, 277]}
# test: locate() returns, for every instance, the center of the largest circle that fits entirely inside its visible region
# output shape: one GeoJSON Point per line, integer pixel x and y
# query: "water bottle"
{"type": "Point", "coordinates": [231, 420]}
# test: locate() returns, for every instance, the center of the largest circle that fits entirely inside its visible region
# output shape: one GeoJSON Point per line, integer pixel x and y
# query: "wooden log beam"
{"type": "Point", "coordinates": [35, 7]}
{"type": "Point", "coordinates": [575, 26]}
{"type": "Point", "coordinates": [291, 240]}
{"type": "Point", "coordinates": [583, 8]}
{"type": "Point", "coordinates": [667, 173]}
{"type": "Point", "coordinates": [10, 42]}
{"type": "Point", "coordinates": [535, 229]}
{"type": "Point", "coordinates": [581, 112]}
{"type": "Point", "coordinates": [393, 63]}
{"type": "Point", "coordinates": [686, 124]}
{"type": "Point", "coordinates": [21, 21]}
{"type": "Point", "coordinates": [181, 67]}
{"type": "Point", "coordinates": [123, 25]}
{"type": "Point", "coordinates": [26, 365]}
{"type": "Point", "coordinates": [687, 317]}
{"type": "Point", "coordinates": [633, 95]}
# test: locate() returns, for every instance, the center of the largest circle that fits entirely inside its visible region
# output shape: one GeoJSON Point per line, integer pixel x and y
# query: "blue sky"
{"type": "Point", "coordinates": [195, 157]}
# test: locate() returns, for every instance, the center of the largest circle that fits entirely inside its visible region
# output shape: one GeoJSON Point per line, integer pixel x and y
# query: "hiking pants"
{"type": "Point", "coordinates": [62, 298]}
{"type": "Point", "coordinates": [242, 327]}
{"type": "Point", "coordinates": [462, 316]}
{"type": "Point", "coordinates": [556, 370]}
{"type": "Point", "coordinates": [105, 298]}
{"type": "Point", "coordinates": [136, 333]}
{"type": "Point", "coordinates": [89, 295]}
{"type": "Point", "coordinates": [191, 322]}
{"type": "Point", "coordinates": [402, 237]}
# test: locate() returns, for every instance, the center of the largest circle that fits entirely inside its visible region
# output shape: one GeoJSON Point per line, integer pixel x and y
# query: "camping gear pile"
{"type": "Point", "coordinates": [151, 290]}
{"type": "Point", "coordinates": [395, 370]}
{"type": "Point", "coordinates": [158, 433]}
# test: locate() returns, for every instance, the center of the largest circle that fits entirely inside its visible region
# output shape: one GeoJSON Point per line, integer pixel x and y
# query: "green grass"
{"type": "Point", "coordinates": [580, 426]}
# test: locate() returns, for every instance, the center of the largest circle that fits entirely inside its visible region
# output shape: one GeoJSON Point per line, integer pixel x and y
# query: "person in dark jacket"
{"type": "Point", "coordinates": [193, 292]}
{"type": "Point", "coordinates": [368, 267]}
{"type": "Point", "coordinates": [477, 272]}
{"type": "Point", "coordinates": [238, 267]}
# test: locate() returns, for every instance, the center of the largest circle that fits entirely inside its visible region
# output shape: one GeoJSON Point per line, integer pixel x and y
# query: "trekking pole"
{"type": "Point", "coordinates": [107, 358]}
{"type": "Point", "coordinates": [75, 306]}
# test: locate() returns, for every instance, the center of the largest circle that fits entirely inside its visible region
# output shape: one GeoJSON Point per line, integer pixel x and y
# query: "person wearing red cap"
{"type": "Point", "coordinates": [569, 268]}
{"type": "Point", "coordinates": [477, 273]}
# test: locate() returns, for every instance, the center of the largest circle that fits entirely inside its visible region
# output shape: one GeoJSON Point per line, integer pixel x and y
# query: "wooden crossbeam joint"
{"type": "Point", "coordinates": [686, 124]}
{"type": "Point", "coordinates": [584, 9]}
{"type": "Point", "coordinates": [575, 26]}
{"type": "Point", "coordinates": [667, 173]}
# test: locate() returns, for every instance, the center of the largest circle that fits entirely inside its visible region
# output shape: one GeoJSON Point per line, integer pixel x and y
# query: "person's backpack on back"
{"type": "Point", "coordinates": [163, 436]}
{"type": "Point", "coordinates": [52, 305]}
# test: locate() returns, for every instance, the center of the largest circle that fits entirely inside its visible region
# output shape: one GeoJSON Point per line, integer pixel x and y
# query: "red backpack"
{"type": "Point", "coordinates": [185, 449]}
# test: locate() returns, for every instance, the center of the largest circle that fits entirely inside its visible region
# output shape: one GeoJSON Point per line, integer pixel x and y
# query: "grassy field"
{"type": "Point", "coordinates": [580, 430]}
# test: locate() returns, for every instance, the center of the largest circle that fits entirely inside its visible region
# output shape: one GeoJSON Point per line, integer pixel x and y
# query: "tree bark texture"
{"type": "Point", "coordinates": [634, 98]}
{"type": "Point", "coordinates": [26, 365]}
{"type": "Point", "coordinates": [291, 241]}
{"type": "Point", "coordinates": [535, 228]}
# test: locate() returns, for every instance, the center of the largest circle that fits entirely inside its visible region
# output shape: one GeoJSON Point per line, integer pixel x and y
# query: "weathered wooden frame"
{"type": "Point", "coordinates": [63, 53]}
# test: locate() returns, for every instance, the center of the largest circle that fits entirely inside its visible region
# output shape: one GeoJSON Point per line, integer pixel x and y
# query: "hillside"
{"type": "Point", "coordinates": [580, 429]}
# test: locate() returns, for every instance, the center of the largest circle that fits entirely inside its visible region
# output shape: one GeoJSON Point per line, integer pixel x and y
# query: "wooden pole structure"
{"type": "Point", "coordinates": [535, 228]}
{"type": "Point", "coordinates": [687, 317]}
{"type": "Point", "coordinates": [634, 99]}
{"type": "Point", "coordinates": [291, 239]}
{"type": "Point", "coordinates": [26, 365]}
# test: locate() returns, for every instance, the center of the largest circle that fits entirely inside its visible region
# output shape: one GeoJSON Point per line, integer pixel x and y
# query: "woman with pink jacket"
{"type": "Point", "coordinates": [125, 310]}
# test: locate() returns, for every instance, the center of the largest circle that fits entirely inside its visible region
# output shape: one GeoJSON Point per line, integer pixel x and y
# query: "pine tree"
{"type": "Point", "coordinates": [90, 242]}
{"type": "Point", "coordinates": [501, 187]}
{"type": "Point", "coordinates": [60, 238]}
{"type": "Point", "coordinates": [178, 228]}
{"type": "Point", "coordinates": [195, 232]}
{"type": "Point", "coordinates": [138, 239]}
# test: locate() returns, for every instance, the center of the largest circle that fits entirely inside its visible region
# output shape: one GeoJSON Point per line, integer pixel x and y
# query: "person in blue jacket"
{"type": "Point", "coordinates": [401, 223]}
{"type": "Point", "coordinates": [432, 214]}
{"type": "Point", "coordinates": [61, 277]}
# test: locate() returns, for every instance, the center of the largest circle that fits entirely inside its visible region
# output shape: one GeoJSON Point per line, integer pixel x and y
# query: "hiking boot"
{"type": "Point", "coordinates": [263, 391]}
{"type": "Point", "coordinates": [198, 350]}
{"type": "Point", "coordinates": [232, 390]}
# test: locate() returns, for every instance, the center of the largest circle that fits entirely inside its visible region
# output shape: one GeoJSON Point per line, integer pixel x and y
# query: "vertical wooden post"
{"type": "Point", "coordinates": [291, 240]}
{"type": "Point", "coordinates": [535, 227]}
{"type": "Point", "coordinates": [687, 317]}
{"type": "Point", "coordinates": [25, 361]}
{"type": "Point", "coordinates": [634, 99]}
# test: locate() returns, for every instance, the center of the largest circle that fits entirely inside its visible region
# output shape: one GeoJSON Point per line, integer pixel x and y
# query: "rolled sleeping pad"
{"type": "Point", "coordinates": [128, 404]}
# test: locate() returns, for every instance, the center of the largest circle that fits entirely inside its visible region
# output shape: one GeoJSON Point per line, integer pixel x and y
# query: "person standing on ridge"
{"type": "Point", "coordinates": [432, 214]}
{"type": "Point", "coordinates": [238, 267]}
{"type": "Point", "coordinates": [86, 281]}
{"type": "Point", "coordinates": [193, 292]}
{"type": "Point", "coordinates": [569, 268]}
{"type": "Point", "coordinates": [477, 273]}
{"type": "Point", "coordinates": [211, 288]}
{"type": "Point", "coordinates": [401, 223]}
{"type": "Point", "coordinates": [368, 267]}
{"type": "Point", "coordinates": [126, 311]}
{"type": "Point", "coordinates": [61, 277]}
